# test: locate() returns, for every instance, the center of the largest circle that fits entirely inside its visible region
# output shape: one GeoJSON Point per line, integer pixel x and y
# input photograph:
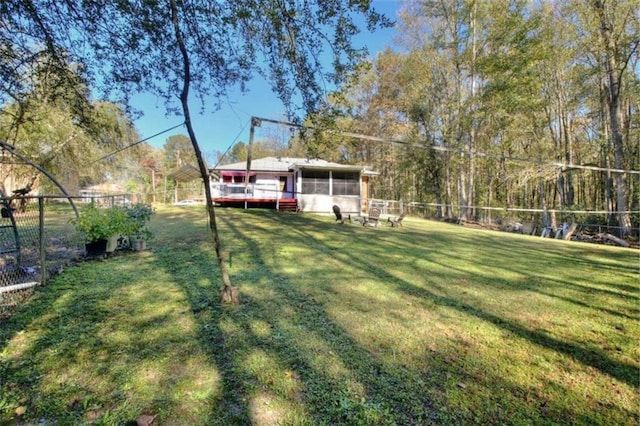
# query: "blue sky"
{"type": "Point", "coordinates": [217, 130]}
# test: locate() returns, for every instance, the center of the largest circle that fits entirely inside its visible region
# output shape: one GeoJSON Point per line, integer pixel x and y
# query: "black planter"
{"type": "Point", "coordinates": [96, 248]}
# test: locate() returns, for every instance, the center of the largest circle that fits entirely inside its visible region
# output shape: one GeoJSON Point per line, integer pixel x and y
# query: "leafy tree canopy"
{"type": "Point", "coordinates": [124, 47]}
{"type": "Point", "coordinates": [178, 151]}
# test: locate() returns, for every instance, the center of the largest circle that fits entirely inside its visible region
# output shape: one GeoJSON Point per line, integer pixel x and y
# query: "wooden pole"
{"type": "Point", "coordinates": [255, 122]}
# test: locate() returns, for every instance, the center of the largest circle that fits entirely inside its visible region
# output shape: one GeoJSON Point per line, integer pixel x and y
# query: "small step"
{"type": "Point", "coordinates": [288, 205]}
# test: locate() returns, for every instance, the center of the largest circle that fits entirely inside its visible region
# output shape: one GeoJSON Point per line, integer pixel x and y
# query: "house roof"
{"type": "Point", "coordinates": [286, 164]}
{"type": "Point", "coordinates": [102, 188]}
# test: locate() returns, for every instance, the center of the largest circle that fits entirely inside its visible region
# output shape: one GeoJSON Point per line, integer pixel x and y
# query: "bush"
{"type": "Point", "coordinates": [139, 216]}
{"type": "Point", "coordinates": [96, 224]}
{"type": "Point", "coordinates": [100, 224]}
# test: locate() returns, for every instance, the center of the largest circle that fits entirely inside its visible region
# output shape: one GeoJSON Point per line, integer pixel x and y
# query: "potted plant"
{"type": "Point", "coordinates": [119, 223]}
{"type": "Point", "coordinates": [93, 223]}
{"type": "Point", "coordinates": [101, 228]}
{"type": "Point", "coordinates": [139, 215]}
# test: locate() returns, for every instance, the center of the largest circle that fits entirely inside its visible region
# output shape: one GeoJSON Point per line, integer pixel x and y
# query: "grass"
{"type": "Point", "coordinates": [339, 324]}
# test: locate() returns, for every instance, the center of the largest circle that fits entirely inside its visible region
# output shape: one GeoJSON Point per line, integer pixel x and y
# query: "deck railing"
{"type": "Point", "coordinates": [241, 191]}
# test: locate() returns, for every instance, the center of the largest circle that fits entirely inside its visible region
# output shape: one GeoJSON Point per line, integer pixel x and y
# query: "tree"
{"type": "Point", "coordinates": [273, 145]}
{"type": "Point", "coordinates": [150, 169]}
{"type": "Point", "coordinates": [507, 94]}
{"type": "Point", "coordinates": [49, 116]}
{"type": "Point", "coordinates": [204, 46]}
{"type": "Point", "coordinates": [178, 152]}
{"type": "Point", "coordinates": [618, 46]}
{"type": "Point", "coordinates": [50, 136]}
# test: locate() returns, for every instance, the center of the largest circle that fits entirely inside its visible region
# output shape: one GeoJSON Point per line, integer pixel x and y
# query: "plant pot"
{"type": "Point", "coordinates": [112, 243]}
{"type": "Point", "coordinates": [138, 245]}
{"type": "Point", "coordinates": [96, 248]}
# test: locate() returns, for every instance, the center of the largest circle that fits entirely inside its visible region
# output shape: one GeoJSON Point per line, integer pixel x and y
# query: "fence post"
{"type": "Point", "coordinates": [43, 265]}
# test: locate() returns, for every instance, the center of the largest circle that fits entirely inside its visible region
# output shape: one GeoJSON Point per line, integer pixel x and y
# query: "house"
{"type": "Point", "coordinates": [107, 193]}
{"type": "Point", "coordinates": [297, 184]}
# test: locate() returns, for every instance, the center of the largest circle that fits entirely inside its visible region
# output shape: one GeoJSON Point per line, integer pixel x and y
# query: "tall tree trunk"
{"type": "Point", "coordinates": [615, 116]}
{"type": "Point", "coordinates": [462, 189]}
{"type": "Point", "coordinates": [436, 178]}
{"type": "Point", "coordinates": [447, 188]}
{"type": "Point", "coordinates": [546, 219]}
{"type": "Point", "coordinates": [607, 177]}
{"type": "Point", "coordinates": [489, 216]}
{"type": "Point", "coordinates": [472, 131]}
{"type": "Point", "coordinates": [228, 293]}
{"type": "Point", "coordinates": [568, 156]}
{"type": "Point", "coordinates": [462, 167]}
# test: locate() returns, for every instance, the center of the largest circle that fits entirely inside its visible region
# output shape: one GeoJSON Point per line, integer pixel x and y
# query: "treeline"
{"type": "Point", "coordinates": [501, 103]}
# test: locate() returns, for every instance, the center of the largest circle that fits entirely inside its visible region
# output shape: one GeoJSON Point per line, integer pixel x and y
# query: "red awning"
{"type": "Point", "coordinates": [235, 173]}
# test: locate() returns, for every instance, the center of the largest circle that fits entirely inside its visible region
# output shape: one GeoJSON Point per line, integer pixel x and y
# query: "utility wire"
{"type": "Point", "coordinates": [137, 143]}
{"type": "Point", "coordinates": [231, 146]}
{"type": "Point", "coordinates": [563, 166]}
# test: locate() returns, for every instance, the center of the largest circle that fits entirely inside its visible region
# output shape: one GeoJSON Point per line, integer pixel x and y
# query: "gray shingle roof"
{"type": "Point", "coordinates": [284, 164]}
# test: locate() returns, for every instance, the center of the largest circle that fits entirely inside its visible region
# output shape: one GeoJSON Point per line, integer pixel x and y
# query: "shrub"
{"type": "Point", "coordinates": [93, 223]}
{"type": "Point", "coordinates": [96, 224]}
{"type": "Point", "coordinates": [139, 216]}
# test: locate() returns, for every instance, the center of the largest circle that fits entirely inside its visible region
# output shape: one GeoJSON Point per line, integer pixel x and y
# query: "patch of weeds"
{"type": "Point", "coordinates": [358, 411]}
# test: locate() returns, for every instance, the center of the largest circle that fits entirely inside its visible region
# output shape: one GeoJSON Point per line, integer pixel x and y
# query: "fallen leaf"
{"type": "Point", "coordinates": [145, 420]}
{"type": "Point", "coordinates": [92, 415]}
{"type": "Point", "coordinates": [292, 375]}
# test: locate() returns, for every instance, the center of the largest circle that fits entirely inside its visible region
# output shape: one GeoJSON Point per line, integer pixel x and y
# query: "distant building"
{"type": "Point", "coordinates": [104, 193]}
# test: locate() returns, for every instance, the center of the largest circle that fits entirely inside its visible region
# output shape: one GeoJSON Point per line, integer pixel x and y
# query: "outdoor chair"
{"type": "Point", "coordinates": [336, 211]}
{"type": "Point", "coordinates": [374, 218]}
{"type": "Point", "coordinates": [397, 221]}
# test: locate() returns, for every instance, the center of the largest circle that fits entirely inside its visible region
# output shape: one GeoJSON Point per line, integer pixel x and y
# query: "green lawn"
{"type": "Point", "coordinates": [339, 324]}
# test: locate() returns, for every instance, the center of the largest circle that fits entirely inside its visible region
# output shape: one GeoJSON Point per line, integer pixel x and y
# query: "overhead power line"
{"type": "Point", "coordinates": [139, 142]}
{"type": "Point", "coordinates": [230, 145]}
{"type": "Point", "coordinates": [563, 166]}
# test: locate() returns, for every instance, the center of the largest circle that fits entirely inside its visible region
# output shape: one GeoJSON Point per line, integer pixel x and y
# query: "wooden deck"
{"type": "Point", "coordinates": [284, 204]}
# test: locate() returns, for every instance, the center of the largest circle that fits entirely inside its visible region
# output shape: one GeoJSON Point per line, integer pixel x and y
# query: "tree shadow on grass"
{"type": "Point", "coordinates": [266, 368]}
{"type": "Point", "coordinates": [624, 372]}
{"type": "Point", "coordinates": [332, 397]}
{"type": "Point", "coordinates": [509, 254]}
{"type": "Point", "coordinates": [281, 355]}
{"type": "Point", "coordinates": [573, 291]}
{"type": "Point", "coordinates": [92, 351]}
{"type": "Point", "coordinates": [196, 275]}
{"type": "Point", "coordinates": [589, 356]}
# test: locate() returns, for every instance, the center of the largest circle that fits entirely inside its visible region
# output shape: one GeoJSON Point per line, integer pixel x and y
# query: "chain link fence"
{"type": "Point", "coordinates": [590, 225]}
{"type": "Point", "coordinates": [37, 241]}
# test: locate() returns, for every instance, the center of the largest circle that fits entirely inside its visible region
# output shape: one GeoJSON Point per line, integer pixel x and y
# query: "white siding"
{"type": "Point", "coordinates": [266, 186]}
{"type": "Point", "coordinates": [316, 203]}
